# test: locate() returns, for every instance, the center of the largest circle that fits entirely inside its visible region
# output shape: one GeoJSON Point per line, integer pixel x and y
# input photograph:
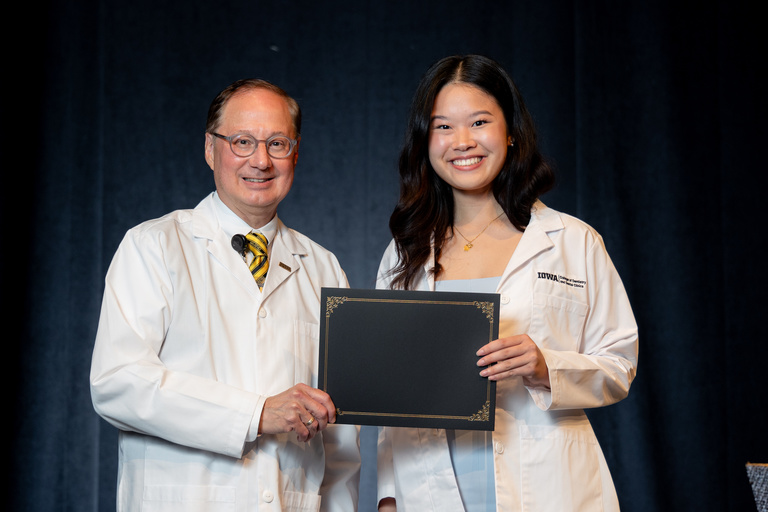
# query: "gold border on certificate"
{"type": "Point", "coordinates": [334, 302]}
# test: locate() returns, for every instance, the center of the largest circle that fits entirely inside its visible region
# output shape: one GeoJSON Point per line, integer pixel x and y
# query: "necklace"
{"type": "Point", "coordinates": [469, 245]}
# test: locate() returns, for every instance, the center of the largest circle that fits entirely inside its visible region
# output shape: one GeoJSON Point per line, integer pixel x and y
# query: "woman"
{"type": "Point", "coordinates": [469, 218]}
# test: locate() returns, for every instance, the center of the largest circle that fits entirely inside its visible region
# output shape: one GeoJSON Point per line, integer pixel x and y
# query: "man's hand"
{"type": "Point", "coordinates": [299, 409]}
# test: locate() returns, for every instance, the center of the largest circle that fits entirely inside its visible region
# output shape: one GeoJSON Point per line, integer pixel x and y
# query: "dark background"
{"type": "Point", "coordinates": [653, 111]}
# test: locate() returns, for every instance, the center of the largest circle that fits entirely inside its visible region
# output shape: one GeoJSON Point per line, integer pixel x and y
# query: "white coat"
{"type": "Point", "coordinates": [186, 353]}
{"type": "Point", "coordinates": [561, 288]}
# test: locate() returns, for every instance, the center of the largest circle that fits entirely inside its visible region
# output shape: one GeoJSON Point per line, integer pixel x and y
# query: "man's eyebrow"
{"type": "Point", "coordinates": [271, 134]}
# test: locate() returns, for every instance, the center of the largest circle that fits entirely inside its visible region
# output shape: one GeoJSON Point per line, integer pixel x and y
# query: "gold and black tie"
{"type": "Point", "coordinates": [257, 244]}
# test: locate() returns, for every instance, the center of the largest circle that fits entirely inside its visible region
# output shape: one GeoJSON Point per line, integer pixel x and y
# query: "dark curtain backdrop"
{"type": "Point", "coordinates": [654, 113]}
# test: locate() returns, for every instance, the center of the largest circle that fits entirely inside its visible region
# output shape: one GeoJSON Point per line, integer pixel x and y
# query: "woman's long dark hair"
{"type": "Point", "coordinates": [425, 210]}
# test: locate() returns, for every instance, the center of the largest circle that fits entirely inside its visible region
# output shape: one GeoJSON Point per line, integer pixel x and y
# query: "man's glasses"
{"type": "Point", "coordinates": [244, 145]}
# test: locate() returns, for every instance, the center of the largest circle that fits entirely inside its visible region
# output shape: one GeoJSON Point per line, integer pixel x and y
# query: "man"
{"type": "Point", "coordinates": [205, 367]}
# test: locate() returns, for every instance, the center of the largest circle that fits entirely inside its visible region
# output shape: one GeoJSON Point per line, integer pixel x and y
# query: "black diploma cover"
{"type": "Point", "coordinates": [407, 358]}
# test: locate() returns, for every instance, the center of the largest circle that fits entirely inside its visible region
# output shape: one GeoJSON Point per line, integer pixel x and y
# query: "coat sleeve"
{"type": "Point", "coordinates": [341, 443]}
{"type": "Point", "coordinates": [341, 482]}
{"type": "Point", "coordinates": [601, 370]}
{"type": "Point", "coordinates": [131, 387]}
{"type": "Point", "coordinates": [385, 473]}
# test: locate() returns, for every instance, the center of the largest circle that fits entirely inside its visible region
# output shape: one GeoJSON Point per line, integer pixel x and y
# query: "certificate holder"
{"type": "Point", "coordinates": [407, 358]}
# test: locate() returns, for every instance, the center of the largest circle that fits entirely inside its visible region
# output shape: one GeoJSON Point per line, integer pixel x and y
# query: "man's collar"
{"type": "Point", "coordinates": [232, 224]}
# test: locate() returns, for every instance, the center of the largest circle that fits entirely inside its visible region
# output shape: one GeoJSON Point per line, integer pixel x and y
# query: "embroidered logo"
{"type": "Point", "coordinates": [568, 281]}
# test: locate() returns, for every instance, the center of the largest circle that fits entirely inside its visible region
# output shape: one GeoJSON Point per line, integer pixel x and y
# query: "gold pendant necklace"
{"type": "Point", "coordinates": [469, 245]}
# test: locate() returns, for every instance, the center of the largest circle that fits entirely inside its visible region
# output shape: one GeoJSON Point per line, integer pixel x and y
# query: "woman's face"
{"type": "Point", "coordinates": [468, 138]}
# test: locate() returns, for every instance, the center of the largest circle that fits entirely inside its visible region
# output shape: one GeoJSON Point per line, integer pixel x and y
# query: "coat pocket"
{"type": "Point", "coordinates": [560, 469]}
{"type": "Point", "coordinates": [558, 322]}
{"type": "Point", "coordinates": [189, 498]}
{"type": "Point", "coordinates": [300, 502]}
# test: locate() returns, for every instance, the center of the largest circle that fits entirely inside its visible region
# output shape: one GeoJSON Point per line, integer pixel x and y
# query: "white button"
{"type": "Point", "coordinates": [268, 496]}
{"type": "Point", "coordinates": [499, 448]}
{"type": "Point", "coordinates": [505, 299]}
{"type": "Point", "coordinates": [263, 313]}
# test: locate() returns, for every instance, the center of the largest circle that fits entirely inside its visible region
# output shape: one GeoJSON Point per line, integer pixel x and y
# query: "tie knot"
{"type": "Point", "coordinates": [257, 243]}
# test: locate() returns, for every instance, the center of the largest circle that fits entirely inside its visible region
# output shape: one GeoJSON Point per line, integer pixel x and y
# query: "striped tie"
{"type": "Point", "coordinates": [257, 244]}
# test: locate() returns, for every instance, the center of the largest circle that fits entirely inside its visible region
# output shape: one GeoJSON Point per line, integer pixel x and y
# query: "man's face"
{"type": "Point", "coordinates": [253, 186]}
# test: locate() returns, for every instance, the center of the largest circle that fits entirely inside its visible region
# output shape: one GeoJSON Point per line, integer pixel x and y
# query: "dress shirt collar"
{"type": "Point", "coordinates": [232, 224]}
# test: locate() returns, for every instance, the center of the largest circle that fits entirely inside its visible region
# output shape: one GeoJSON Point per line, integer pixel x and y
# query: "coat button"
{"type": "Point", "coordinates": [262, 313]}
{"type": "Point", "coordinates": [505, 299]}
{"type": "Point", "coordinates": [268, 496]}
{"type": "Point", "coordinates": [499, 448]}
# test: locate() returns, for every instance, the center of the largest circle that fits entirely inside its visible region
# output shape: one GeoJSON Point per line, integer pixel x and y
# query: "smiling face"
{"type": "Point", "coordinates": [468, 138]}
{"type": "Point", "coordinates": [253, 186]}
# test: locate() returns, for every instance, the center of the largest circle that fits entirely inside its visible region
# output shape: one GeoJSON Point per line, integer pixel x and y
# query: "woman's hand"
{"type": "Point", "coordinates": [387, 505]}
{"type": "Point", "coordinates": [515, 356]}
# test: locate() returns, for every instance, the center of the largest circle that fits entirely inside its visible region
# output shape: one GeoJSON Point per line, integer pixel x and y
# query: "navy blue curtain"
{"type": "Point", "coordinates": [652, 111]}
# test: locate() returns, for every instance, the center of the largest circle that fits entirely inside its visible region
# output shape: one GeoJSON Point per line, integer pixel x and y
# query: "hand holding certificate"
{"type": "Point", "coordinates": [407, 358]}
